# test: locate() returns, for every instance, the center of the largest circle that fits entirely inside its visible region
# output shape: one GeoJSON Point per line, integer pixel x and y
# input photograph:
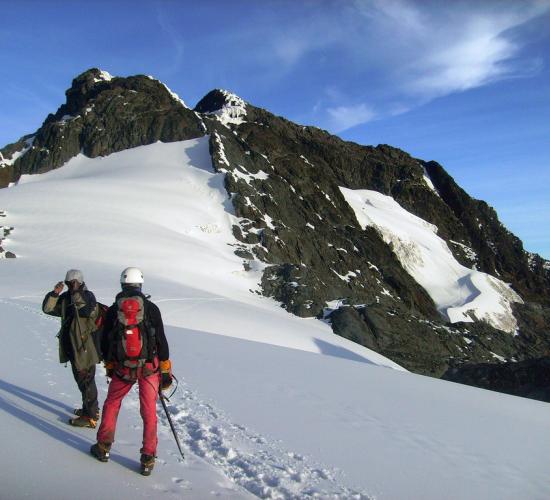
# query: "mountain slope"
{"type": "Point", "coordinates": [292, 223]}
{"type": "Point", "coordinates": [296, 413]}
{"type": "Point", "coordinates": [286, 183]}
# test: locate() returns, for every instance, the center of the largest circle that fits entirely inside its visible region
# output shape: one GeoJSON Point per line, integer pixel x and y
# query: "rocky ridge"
{"type": "Point", "coordinates": [5, 231]}
{"type": "Point", "coordinates": [284, 180]}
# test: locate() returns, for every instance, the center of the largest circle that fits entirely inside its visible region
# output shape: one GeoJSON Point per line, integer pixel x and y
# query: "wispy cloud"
{"type": "Point", "coordinates": [456, 47]}
{"type": "Point", "coordinates": [175, 39]}
{"type": "Point", "coordinates": [345, 117]}
{"type": "Point", "coordinates": [380, 57]}
{"type": "Point", "coordinates": [418, 51]}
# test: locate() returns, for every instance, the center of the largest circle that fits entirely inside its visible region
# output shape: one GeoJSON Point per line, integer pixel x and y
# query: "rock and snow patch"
{"type": "Point", "coordinates": [533, 259]}
{"type": "Point", "coordinates": [428, 181]}
{"type": "Point", "coordinates": [4, 232]}
{"type": "Point", "coordinates": [174, 96]}
{"type": "Point", "coordinates": [4, 162]}
{"type": "Point", "coordinates": [220, 149]}
{"type": "Point", "coordinates": [460, 294]}
{"type": "Point", "coordinates": [233, 111]}
{"type": "Point", "coordinates": [468, 251]}
{"type": "Point", "coordinates": [103, 76]}
{"type": "Point", "coordinates": [241, 173]}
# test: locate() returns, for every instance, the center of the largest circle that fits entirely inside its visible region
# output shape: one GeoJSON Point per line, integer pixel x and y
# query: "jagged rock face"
{"type": "Point", "coordinates": [102, 116]}
{"type": "Point", "coordinates": [421, 345]}
{"type": "Point", "coordinates": [284, 181]}
{"type": "Point", "coordinates": [295, 217]}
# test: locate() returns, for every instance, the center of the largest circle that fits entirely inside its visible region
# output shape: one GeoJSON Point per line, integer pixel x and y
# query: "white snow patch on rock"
{"type": "Point", "coordinates": [460, 294]}
{"type": "Point", "coordinates": [233, 111]}
{"type": "Point", "coordinates": [468, 251]}
{"type": "Point", "coordinates": [221, 149]}
{"type": "Point", "coordinates": [104, 76]}
{"type": "Point", "coordinates": [502, 359]}
{"type": "Point", "coordinates": [4, 162]}
{"type": "Point", "coordinates": [428, 181]}
{"type": "Point", "coordinates": [174, 96]}
{"type": "Point", "coordinates": [247, 176]}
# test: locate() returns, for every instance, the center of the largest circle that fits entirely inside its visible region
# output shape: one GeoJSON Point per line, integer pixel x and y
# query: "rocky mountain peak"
{"type": "Point", "coordinates": [288, 185]}
{"type": "Point", "coordinates": [102, 115]}
{"type": "Point", "coordinates": [226, 106]}
{"type": "Point", "coordinates": [84, 87]}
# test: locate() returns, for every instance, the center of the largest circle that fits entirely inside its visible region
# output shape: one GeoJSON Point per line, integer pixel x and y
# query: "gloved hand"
{"type": "Point", "coordinates": [58, 288]}
{"type": "Point", "coordinates": [109, 368]}
{"type": "Point", "coordinates": [165, 374]}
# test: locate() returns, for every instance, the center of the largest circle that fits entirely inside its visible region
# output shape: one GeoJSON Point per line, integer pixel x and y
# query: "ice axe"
{"type": "Point", "coordinates": [163, 400]}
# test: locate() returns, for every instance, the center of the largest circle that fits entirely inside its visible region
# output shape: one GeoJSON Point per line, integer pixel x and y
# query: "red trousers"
{"type": "Point", "coordinates": [148, 393]}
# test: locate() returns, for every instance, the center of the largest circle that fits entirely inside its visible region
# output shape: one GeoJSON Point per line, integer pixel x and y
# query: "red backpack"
{"type": "Point", "coordinates": [134, 343]}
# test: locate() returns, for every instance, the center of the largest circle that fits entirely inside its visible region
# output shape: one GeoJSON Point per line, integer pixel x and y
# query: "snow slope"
{"type": "Point", "coordinates": [269, 404]}
{"type": "Point", "coordinates": [461, 294]}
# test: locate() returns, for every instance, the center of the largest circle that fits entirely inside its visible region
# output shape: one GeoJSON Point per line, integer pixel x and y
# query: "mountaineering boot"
{"type": "Point", "coordinates": [101, 451]}
{"type": "Point", "coordinates": [79, 412]}
{"type": "Point", "coordinates": [83, 421]}
{"type": "Point", "coordinates": [147, 464]}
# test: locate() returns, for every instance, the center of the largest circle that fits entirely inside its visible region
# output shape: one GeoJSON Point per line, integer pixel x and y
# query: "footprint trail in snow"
{"type": "Point", "coordinates": [254, 462]}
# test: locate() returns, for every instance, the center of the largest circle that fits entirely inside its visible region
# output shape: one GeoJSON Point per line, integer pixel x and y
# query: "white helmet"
{"type": "Point", "coordinates": [131, 276]}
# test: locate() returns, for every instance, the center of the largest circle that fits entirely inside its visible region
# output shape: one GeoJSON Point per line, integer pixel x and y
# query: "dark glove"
{"type": "Point", "coordinates": [165, 374]}
{"type": "Point", "coordinates": [165, 381]}
{"type": "Point", "coordinates": [109, 368]}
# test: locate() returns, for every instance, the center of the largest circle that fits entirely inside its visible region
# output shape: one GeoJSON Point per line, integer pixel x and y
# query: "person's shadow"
{"type": "Point", "coordinates": [38, 422]}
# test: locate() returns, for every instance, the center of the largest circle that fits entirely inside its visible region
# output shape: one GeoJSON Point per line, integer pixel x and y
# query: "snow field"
{"type": "Point", "coordinates": [297, 413]}
{"type": "Point", "coordinates": [460, 294]}
{"type": "Point", "coordinates": [162, 208]}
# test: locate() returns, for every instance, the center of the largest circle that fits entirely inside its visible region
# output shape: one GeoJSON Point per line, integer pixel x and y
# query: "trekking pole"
{"type": "Point", "coordinates": [162, 398]}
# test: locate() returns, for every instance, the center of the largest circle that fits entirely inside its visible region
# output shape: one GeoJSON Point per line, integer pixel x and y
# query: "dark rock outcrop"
{"type": "Point", "coordinates": [4, 232]}
{"type": "Point", "coordinates": [102, 116]}
{"type": "Point", "coordinates": [284, 180]}
{"type": "Point", "coordinates": [529, 378]}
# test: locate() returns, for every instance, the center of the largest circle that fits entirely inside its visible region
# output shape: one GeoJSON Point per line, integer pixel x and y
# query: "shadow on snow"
{"type": "Point", "coordinates": [43, 424]}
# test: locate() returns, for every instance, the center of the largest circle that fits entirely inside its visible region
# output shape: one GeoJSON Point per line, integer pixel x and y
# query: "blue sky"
{"type": "Point", "coordinates": [465, 83]}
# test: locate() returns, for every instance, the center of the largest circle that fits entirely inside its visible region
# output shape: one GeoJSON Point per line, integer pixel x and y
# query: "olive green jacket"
{"type": "Point", "coordinates": [76, 342]}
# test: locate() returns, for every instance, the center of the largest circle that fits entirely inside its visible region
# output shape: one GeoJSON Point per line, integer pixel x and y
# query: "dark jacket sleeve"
{"type": "Point", "coordinates": [163, 351]}
{"type": "Point", "coordinates": [106, 338]}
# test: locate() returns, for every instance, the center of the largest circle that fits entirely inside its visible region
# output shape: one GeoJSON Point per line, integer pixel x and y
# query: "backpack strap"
{"type": "Point", "coordinates": [150, 333]}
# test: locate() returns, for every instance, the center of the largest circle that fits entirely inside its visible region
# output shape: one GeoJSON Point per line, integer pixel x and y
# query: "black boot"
{"type": "Point", "coordinates": [80, 411]}
{"type": "Point", "coordinates": [101, 451]}
{"type": "Point", "coordinates": [147, 464]}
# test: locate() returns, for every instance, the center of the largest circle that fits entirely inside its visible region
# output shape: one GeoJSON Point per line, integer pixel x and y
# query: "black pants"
{"type": "Point", "coordinates": [85, 379]}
